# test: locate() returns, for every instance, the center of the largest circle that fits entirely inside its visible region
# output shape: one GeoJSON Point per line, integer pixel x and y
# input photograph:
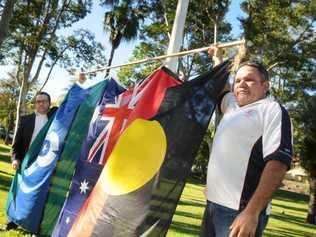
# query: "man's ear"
{"type": "Point", "coordinates": [266, 85]}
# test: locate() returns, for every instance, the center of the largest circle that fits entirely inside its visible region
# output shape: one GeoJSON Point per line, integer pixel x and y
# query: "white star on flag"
{"type": "Point", "coordinates": [84, 187]}
{"type": "Point", "coordinates": [67, 220]}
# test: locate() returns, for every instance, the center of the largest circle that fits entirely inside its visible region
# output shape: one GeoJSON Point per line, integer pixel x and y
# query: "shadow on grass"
{"type": "Point", "coordinates": [187, 214]}
{"type": "Point", "coordinates": [187, 203]}
{"type": "Point", "coordinates": [185, 228]}
{"type": "Point", "coordinates": [6, 173]}
{"type": "Point", "coordinates": [5, 158]}
{"type": "Point", "coordinates": [194, 180]}
{"type": "Point", "coordinates": [281, 232]}
{"type": "Point", "coordinates": [291, 219]}
{"type": "Point", "coordinates": [5, 182]}
{"type": "Point", "coordinates": [285, 207]}
{"type": "Point", "coordinates": [288, 196]}
{"type": "Point", "coordinates": [4, 149]}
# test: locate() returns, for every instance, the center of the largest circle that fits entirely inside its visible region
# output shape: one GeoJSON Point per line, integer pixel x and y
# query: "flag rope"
{"type": "Point", "coordinates": [183, 53]}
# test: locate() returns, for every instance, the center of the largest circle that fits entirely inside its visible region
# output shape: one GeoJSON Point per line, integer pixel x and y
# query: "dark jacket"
{"type": "Point", "coordinates": [24, 134]}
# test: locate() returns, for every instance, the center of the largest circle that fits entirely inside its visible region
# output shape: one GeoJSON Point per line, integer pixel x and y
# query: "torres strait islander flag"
{"type": "Point", "coordinates": [27, 204]}
{"type": "Point", "coordinates": [110, 120]}
{"type": "Point", "coordinates": [141, 183]}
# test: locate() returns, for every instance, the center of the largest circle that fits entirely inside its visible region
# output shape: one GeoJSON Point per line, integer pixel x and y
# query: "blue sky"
{"type": "Point", "coordinates": [60, 79]}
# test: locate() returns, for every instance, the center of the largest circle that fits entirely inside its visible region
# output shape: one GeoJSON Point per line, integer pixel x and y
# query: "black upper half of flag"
{"type": "Point", "coordinates": [185, 113]}
{"type": "Point", "coordinates": [195, 98]}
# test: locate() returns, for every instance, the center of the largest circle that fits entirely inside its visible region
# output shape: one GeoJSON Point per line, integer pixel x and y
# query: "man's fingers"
{"type": "Point", "coordinates": [15, 164]}
{"type": "Point", "coordinates": [243, 233]}
{"type": "Point", "coordinates": [237, 231]}
{"type": "Point", "coordinates": [233, 224]}
{"type": "Point", "coordinates": [253, 233]}
{"type": "Point", "coordinates": [233, 231]}
{"type": "Point", "coordinates": [81, 77]}
{"type": "Point", "coordinates": [210, 51]}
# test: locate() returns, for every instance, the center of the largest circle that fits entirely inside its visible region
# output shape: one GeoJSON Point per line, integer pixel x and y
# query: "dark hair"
{"type": "Point", "coordinates": [262, 70]}
{"type": "Point", "coordinates": [43, 93]}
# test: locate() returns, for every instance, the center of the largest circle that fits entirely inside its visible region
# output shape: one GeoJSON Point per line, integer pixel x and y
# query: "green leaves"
{"type": "Point", "coordinates": [199, 27]}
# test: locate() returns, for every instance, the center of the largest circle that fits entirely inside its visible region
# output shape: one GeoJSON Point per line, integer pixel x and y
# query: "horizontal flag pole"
{"type": "Point", "coordinates": [192, 51]}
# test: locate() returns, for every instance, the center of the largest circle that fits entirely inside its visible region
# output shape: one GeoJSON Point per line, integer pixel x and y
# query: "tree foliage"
{"type": "Point", "coordinates": [156, 30]}
{"type": "Point", "coordinates": [308, 135]}
{"type": "Point", "coordinates": [35, 41]}
{"type": "Point", "coordinates": [307, 128]}
{"type": "Point", "coordinates": [122, 22]}
{"type": "Point", "coordinates": [281, 35]}
{"type": "Point", "coordinates": [6, 15]}
{"type": "Point", "coordinates": [9, 91]}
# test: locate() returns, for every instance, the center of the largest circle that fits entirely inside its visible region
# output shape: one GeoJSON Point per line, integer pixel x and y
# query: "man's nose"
{"type": "Point", "coordinates": [242, 83]}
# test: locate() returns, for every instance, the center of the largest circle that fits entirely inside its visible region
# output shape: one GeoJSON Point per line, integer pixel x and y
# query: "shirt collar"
{"type": "Point", "coordinates": [40, 115]}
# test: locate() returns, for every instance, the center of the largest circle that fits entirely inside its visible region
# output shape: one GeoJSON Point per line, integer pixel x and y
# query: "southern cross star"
{"type": "Point", "coordinates": [84, 187]}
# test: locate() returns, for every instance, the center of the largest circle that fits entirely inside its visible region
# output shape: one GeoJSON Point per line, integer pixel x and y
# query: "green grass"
{"type": "Point", "coordinates": [287, 218]}
{"type": "Point", "coordinates": [6, 175]}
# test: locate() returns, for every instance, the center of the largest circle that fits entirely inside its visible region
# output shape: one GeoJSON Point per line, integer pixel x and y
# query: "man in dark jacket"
{"type": "Point", "coordinates": [28, 128]}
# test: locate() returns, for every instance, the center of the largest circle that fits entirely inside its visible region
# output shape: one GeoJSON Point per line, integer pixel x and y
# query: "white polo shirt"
{"type": "Point", "coordinates": [246, 138]}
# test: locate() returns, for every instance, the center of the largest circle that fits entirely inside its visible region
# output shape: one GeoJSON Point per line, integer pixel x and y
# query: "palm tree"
{"type": "Point", "coordinates": [122, 22]}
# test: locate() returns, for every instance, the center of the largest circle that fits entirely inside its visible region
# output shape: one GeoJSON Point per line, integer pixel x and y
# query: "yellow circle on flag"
{"type": "Point", "coordinates": [136, 158]}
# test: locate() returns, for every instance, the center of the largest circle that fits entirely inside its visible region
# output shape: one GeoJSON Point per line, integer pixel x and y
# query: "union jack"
{"type": "Point", "coordinates": [116, 114]}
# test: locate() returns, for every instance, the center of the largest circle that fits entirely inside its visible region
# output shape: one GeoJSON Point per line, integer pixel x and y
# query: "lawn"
{"type": "Point", "coordinates": [287, 218]}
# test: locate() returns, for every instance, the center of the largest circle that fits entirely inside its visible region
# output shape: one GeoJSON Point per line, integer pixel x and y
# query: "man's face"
{"type": "Point", "coordinates": [42, 104]}
{"type": "Point", "coordinates": [249, 86]}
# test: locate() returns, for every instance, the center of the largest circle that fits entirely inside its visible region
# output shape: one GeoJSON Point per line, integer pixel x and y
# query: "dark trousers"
{"type": "Point", "coordinates": [217, 220]}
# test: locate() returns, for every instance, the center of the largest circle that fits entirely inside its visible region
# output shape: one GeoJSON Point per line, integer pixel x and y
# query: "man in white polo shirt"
{"type": "Point", "coordinates": [251, 152]}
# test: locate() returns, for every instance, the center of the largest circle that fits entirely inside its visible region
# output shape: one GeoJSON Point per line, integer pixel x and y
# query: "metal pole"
{"type": "Point", "coordinates": [177, 34]}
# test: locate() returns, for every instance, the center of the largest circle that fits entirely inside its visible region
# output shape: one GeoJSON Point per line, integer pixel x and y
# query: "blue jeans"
{"type": "Point", "coordinates": [217, 220]}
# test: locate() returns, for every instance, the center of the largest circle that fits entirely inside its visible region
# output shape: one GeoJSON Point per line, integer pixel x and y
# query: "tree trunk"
{"type": "Point", "coordinates": [311, 216]}
{"type": "Point", "coordinates": [21, 105]}
{"type": "Point", "coordinates": [110, 61]}
{"type": "Point", "coordinates": [5, 19]}
{"type": "Point", "coordinates": [10, 125]}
